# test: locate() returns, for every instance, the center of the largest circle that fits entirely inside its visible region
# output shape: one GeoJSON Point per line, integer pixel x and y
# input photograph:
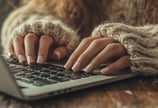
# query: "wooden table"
{"type": "Point", "coordinates": [139, 92]}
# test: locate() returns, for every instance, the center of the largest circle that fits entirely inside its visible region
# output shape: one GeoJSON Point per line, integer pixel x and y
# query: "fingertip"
{"type": "Point", "coordinates": [30, 60]}
{"type": "Point", "coordinates": [10, 50]}
{"type": "Point", "coordinates": [105, 70]}
{"type": "Point", "coordinates": [62, 52]}
{"type": "Point", "coordinates": [88, 69]}
{"type": "Point", "coordinates": [68, 64]}
{"type": "Point", "coordinates": [66, 67]}
{"type": "Point", "coordinates": [21, 58]}
{"type": "Point", "coordinates": [76, 67]}
{"type": "Point", "coordinates": [57, 55]}
{"type": "Point", "coordinates": [40, 59]}
{"type": "Point", "coordinates": [10, 55]}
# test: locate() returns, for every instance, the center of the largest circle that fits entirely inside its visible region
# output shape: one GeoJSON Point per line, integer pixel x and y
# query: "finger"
{"type": "Point", "coordinates": [10, 49]}
{"type": "Point", "coordinates": [18, 44]}
{"type": "Point", "coordinates": [121, 63]}
{"type": "Point", "coordinates": [80, 49]}
{"type": "Point", "coordinates": [30, 44]}
{"type": "Point", "coordinates": [94, 48]}
{"type": "Point", "coordinates": [44, 45]}
{"type": "Point", "coordinates": [59, 53]}
{"type": "Point", "coordinates": [107, 53]}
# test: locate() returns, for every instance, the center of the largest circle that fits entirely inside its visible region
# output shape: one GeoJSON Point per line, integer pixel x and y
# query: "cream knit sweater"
{"type": "Point", "coordinates": [127, 21]}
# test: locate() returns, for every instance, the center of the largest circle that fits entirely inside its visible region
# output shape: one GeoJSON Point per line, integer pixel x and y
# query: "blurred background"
{"type": "Point", "coordinates": [6, 6]}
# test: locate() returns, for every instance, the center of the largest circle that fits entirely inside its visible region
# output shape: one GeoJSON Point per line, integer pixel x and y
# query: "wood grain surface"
{"type": "Point", "coordinates": [139, 92]}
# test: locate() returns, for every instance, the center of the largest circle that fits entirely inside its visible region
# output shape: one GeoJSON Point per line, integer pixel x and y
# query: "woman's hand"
{"type": "Point", "coordinates": [94, 51]}
{"type": "Point", "coordinates": [35, 49]}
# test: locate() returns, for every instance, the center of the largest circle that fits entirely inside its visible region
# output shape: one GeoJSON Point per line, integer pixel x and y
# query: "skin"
{"type": "Point", "coordinates": [32, 49]}
{"type": "Point", "coordinates": [94, 51]}
{"type": "Point", "coordinates": [90, 54]}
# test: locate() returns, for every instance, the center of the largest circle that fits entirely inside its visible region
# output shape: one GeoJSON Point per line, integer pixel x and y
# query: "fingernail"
{"type": "Point", "coordinates": [30, 60]}
{"type": "Point", "coordinates": [68, 65]}
{"type": "Point", "coordinates": [76, 67]}
{"type": "Point", "coordinates": [105, 70]}
{"type": "Point", "coordinates": [57, 55]}
{"type": "Point", "coordinates": [10, 55]}
{"type": "Point", "coordinates": [21, 58]}
{"type": "Point", "coordinates": [40, 59]}
{"type": "Point", "coordinates": [88, 69]}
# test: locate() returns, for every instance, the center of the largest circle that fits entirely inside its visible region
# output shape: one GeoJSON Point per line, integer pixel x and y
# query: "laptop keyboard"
{"type": "Point", "coordinates": [40, 75]}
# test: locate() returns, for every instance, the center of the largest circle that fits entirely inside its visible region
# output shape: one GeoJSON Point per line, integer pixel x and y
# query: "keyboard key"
{"type": "Point", "coordinates": [40, 75]}
{"type": "Point", "coordinates": [27, 80]}
{"type": "Point", "coordinates": [44, 74]}
{"type": "Point", "coordinates": [41, 82]}
{"type": "Point", "coordinates": [53, 71]}
{"type": "Point", "coordinates": [52, 80]}
{"type": "Point", "coordinates": [60, 74]}
{"type": "Point", "coordinates": [64, 78]}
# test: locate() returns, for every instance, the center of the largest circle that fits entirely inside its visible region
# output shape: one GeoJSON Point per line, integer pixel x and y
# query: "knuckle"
{"type": "Point", "coordinates": [113, 46]}
{"type": "Point", "coordinates": [86, 40]}
{"type": "Point", "coordinates": [96, 42]}
{"type": "Point", "coordinates": [46, 38]}
{"type": "Point", "coordinates": [30, 36]}
{"type": "Point", "coordinates": [126, 60]}
{"type": "Point", "coordinates": [107, 40]}
{"type": "Point", "coordinates": [17, 38]}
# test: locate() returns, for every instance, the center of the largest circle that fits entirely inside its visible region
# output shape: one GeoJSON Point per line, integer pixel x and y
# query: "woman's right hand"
{"type": "Point", "coordinates": [35, 49]}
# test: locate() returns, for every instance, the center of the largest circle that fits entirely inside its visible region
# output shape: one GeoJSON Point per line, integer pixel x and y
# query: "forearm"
{"type": "Point", "coordinates": [141, 43]}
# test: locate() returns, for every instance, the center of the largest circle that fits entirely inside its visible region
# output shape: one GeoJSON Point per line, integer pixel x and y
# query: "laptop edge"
{"type": "Point", "coordinates": [10, 86]}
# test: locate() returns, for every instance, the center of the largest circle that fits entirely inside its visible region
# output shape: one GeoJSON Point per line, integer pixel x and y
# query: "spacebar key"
{"type": "Point", "coordinates": [52, 81]}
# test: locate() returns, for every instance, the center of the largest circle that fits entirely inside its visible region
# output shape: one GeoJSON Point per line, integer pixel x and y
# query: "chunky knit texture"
{"type": "Point", "coordinates": [140, 42]}
{"type": "Point", "coordinates": [61, 34]}
{"type": "Point", "coordinates": [40, 24]}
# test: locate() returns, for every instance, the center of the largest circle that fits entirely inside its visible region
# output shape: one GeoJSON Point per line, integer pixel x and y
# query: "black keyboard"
{"type": "Point", "coordinates": [40, 75]}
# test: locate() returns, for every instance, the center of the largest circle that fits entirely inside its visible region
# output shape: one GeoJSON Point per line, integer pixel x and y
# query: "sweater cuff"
{"type": "Point", "coordinates": [61, 34]}
{"type": "Point", "coordinates": [141, 43]}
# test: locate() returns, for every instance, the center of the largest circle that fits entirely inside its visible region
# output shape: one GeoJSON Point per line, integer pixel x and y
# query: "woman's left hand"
{"type": "Point", "coordinates": [94, 51]}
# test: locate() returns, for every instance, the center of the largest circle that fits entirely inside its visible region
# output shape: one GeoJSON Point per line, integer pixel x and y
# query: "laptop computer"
{"type": "Point", "coordinates": [41, 81]}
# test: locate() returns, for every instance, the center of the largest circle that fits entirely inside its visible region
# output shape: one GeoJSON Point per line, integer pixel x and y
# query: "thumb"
{"type": "Point", "coordinates": [59, 53]}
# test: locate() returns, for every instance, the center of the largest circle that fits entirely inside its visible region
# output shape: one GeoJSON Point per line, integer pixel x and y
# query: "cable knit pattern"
{"type": "Point", "coordinates": [141, 44]}
{"type": "Point", "coordinates": [60, 33]}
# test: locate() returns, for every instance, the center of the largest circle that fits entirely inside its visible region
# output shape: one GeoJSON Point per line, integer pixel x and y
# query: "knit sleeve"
{"type": "Point", "coordinates": [22, 23]}
{"type": "Point", "coordinates": [13, 20]}
{"type": "Point", "coordinates": [61, 33]}
{"type": "Point", "coordinates": [141, 43]}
